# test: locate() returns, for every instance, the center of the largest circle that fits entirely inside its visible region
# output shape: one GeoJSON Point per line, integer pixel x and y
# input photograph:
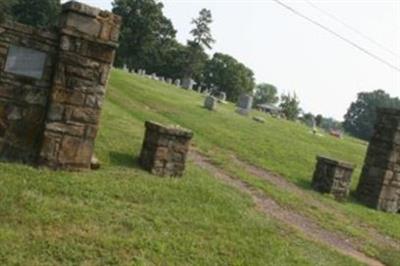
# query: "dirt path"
{"type": "Point", "coordinates": [284, 184]}
{"type": "Point", "coordinates": [295, 220]}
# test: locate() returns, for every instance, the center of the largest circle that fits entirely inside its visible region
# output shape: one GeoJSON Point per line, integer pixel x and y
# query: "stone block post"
{"type": "Point", "coordinates": [333, 177]}
{"type": "Point", "coordinates": [379, 185]}
{"type": "Point", "coordinates": [88, 39]}
{"type": "Point", "coordinates": [165, 149]}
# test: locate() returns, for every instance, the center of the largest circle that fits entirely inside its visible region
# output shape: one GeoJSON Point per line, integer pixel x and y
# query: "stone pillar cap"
{"type": "Point", "coordinates": [336, 162]}
{"type": "Point", "coordinates": [81, 8]}
{"type": "Point", "coordinates": [174, 130]}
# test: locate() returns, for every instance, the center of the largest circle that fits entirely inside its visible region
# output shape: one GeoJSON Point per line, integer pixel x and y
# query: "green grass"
{"type": "Point", "coordinates": [121, 215]}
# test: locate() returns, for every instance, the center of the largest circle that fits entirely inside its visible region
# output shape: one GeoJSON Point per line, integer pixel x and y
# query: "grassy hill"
{"type": "Point", "coordinates": [121, 215]}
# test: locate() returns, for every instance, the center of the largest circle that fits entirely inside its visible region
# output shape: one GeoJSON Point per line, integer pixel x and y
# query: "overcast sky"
{"type": "Point", "coordinates": [295, 55]}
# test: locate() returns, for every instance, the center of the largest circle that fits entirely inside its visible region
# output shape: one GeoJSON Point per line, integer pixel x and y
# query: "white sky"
{"type": "Point", "coordinates": [295, 55]}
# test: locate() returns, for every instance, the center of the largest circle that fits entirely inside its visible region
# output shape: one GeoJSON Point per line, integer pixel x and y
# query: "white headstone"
{"type": "Point", "coordinates": [188, 83]}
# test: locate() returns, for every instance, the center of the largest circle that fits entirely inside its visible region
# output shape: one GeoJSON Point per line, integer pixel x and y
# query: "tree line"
{"type": "Point", "coordinates": [148, 41]}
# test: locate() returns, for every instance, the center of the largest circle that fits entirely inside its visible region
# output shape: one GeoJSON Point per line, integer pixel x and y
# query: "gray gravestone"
{"type": "Point", "coordinates": [210, 103]}
{"type": "Point", "coordinates": [177, 82]}
{"type": "Point", "coordinates": [188, 83]}
{"type": "Point", "coordinates": [244, 104]}
{"type": "Point", "coordinates": [222, 96]}
{"type": "Point", "coordinates": [169, 80]}
{"type": "Point", "coordinates": [25, 62]}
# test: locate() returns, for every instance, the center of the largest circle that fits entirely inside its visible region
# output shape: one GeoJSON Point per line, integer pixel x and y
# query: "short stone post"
{"type": "Point", "coordinates": [88, 40]}
{"type": "Point", "coordinates": [210, 103]}
{"type": "Point", "coordinates": [379, 185]}
{"type": "Point", "coordinates": [165, 149]}
{"type": "Point", "coordinates": [332, 176]}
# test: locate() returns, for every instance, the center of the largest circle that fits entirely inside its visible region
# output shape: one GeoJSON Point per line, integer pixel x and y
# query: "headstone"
{"type": "Point", "coordinates": [169, 80]}
{"type": "Point", "coordinates": [161, 79]}
{"type": "Point", "coordinates": [379, 185]}
{"type": "Point", "coordinates": [177, 82]}
{"type": "Point", "coordinates": [154, 76]}
{"type": "Point", "coordinates": [333, 177]}
{"type": "Point", "coordinates": [244, 104]}
{"type": "Point", "coordinates": [165, 149]}
{"type": "Point", "coordinates": [314, 125]}
{"type": "Point", "coordinates": [210, 103]}
{"type": "Point", "coordinates": [222, 96]}
{"type": "Point", "coordinates": [188, 83]}
{"type": "Point", "coordinates": [125, 68]}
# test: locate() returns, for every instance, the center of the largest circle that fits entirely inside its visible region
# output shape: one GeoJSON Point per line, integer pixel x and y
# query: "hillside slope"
{"type": "Point", "coordinates": [121, 215]}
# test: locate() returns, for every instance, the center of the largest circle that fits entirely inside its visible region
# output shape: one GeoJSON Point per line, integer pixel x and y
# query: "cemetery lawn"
{"type": "Point", "coordinates": [121, 215]}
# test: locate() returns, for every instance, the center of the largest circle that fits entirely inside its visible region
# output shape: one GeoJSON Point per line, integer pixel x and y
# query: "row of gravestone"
{"type": "Point", "coordinates": [244, 103]}
{"type": "Point", "coordinates": [186, 83]}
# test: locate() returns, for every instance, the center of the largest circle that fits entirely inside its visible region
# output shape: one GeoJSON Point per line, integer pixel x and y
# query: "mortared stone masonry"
{"type": "Point", "coordinates": [333, 177]}
{"type": "Point", "coordinates": [379, 185]}
{"type": "Point", "coordinates": [51, 119]}
{"type": "Point", "coordinates": [165, 149]}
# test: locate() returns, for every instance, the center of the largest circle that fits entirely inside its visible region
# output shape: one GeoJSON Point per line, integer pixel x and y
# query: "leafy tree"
{"type": "Point", "coordinates": [5, 6]}
{"type": "Point", "coordinates": [202, 39]}
{"type": "Point", "coordinates": [290, 106]}
{"type": "Point", "coordinates": [308, 119]}
{"type": "Point", "coordinates": [266, 93]}
{"type": "Point", "coordinates": [318, 120]}
{"type": "Point", "coordinates": [40, 13]}
{"type": "Point", "coordinates": [330, 123]}
{"type": "Point", "coordinates": [202, 32]}
{"type": "Point", "coordinates": [361, 115]}
{"type": "Point", "coordinates": [228, 75]}
{"type": "Point", "coordinates": [147, 36]}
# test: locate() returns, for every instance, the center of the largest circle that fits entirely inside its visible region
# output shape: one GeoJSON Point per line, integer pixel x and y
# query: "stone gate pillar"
{"type": "Point", "coordinates": [88, 39]}
{"type": "Point", "coordinates": [379, 185]}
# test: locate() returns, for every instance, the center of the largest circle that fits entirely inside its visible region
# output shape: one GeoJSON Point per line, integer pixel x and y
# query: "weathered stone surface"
{"type": "Point", "coordinates": [164, 149]}
{"type": "Point", "coordinates": [51, 117]}
{"type": "Point", "coordinates": [332, 176]}
{"type": "Point", "coordinates": [245, 102]}
{"type": "Point", "coordinates": [379, 185]}
{"type": "Point", "coordinates": [210, 103]}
